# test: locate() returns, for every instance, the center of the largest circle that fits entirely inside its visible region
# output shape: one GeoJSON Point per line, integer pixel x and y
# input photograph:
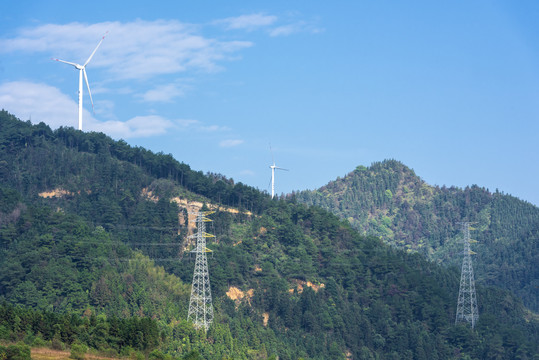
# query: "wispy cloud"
{"type": "Point", "coordinates": [199, 126]}
{"type": "Point", "coordinates": [131, 50]}
{"type": "Point", "coordinates": [163, 93]}
{"type": "Point", "coordinates": [214, 128]}
{"type": "Point", "coordinates": [187, 123]}
{"type": "Point", "coordinates": [247, 172]}
{"type": "Point", "coordinates": [230, 143]}
{"type": "Point", "coordinates": [292, 28]}
{"type": "Point", "coordinates": [284, 30]}
{"type": "Point", "coordinates": [272, 25]}
{"type": "Point", "coordinates": [247, 22]}
{"type": "Point", "coordinates": [139, 126]}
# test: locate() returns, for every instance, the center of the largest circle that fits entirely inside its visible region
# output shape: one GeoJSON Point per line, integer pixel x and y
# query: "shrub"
{"type": "Point", "coordinates": [4, 333]}
{"type": "Point", "coordinates": [77, 351]}
{"type": "Point", "coordinates": [56, 343]}
{"type": "Point", "coordinates": [15, 352]}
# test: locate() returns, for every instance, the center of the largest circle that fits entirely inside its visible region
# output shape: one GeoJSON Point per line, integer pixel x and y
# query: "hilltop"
{"type": "Point", "coordinates": [389, 200]}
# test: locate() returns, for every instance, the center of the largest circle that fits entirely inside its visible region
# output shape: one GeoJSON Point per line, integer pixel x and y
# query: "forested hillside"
{"type": "Point", "coordinates": [94, 253]}
{"type": "Point", "coordinates": [389, 200]}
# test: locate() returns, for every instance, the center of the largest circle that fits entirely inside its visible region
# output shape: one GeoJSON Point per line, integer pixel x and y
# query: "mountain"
{"type": "Point", "coordinates": [84, 221]}
{"type": "Point", "coordinates": [389, 200]}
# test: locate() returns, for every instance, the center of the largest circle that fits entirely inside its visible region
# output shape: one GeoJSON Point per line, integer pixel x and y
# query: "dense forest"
{"type": "Point", "coordinates": [94, 255]}
{"type": "Point", "coordinates": [389, 200]}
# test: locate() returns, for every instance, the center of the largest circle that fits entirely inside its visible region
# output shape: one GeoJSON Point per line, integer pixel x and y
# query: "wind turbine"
{"type": "Point", "coordinates": [82, 70]}
{"type": "Point", "coordinates": [273, 167]}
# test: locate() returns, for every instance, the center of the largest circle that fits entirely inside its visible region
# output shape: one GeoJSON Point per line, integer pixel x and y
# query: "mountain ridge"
{"type": "Point", "coordinates": [389, 200]}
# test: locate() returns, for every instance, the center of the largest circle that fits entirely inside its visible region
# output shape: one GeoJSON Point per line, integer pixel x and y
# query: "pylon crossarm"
{"type": "Point", "coordinates": [202, 213]}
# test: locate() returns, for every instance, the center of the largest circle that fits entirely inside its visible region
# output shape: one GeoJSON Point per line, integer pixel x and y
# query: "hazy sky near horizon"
{"type": "Point", "coordinates": [449, 89]}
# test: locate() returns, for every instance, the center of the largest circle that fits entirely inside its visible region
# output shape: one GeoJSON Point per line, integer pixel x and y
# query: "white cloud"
{"type": "Point", "coordinates": [292, 28]}
{"type": "Point", "coordinates": [163, 93]}
{"type": "Point", "coordinates": [214, 128]}
{"type": "Point", "coordinates": [247, 172]}
{"type": "Point", "coordinates": [284, 30]}
{"type": "Point", "coordinates": [230, 143]}
{"type": "Point", "coordinates": [248, 22]}
{"type": "Point", "coordinates": [41, 102]}
{"type": "Point", "coordinates": [269, 23]}
{"type": "Point", "coordinates": [196, 125]}
{"type": "Point", "coordinates": [132, 50]}
{"type": "Point", "coordinates": [44, 103]}
{"type": "Point", "coordinates": [139, 126]}
{"type": "Point", "coordinates": [185, 123]}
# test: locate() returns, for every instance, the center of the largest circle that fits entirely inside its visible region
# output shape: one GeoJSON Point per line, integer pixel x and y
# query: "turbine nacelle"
{"type": "Point", "coordinates": [273, 168]}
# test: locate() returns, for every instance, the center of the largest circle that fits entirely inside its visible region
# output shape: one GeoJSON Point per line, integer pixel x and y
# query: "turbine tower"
{"type": "Point", "coordinates": [82, 70]}
{"type": "Point", "coordinates": [467, 301]}
{"type": "Point", "coordinates": [200, 304]}
{"type": "Point", "coordinates": [273, 167]}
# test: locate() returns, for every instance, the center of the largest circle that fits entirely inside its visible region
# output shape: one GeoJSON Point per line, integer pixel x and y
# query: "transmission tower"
{"type": "Point", "coordinates": [200, 305]}
{"type": "Point", "coordinates": [467, 302]}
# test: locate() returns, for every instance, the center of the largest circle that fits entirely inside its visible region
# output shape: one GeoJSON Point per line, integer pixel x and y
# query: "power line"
{"type": "Point", "coordinates": [176, 228]}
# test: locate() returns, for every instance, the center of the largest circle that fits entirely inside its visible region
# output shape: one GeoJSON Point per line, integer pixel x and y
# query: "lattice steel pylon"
{"type": "Point", "coordinates": [200, 304]}
{"type": "Point", "coordinates": [467, 301]}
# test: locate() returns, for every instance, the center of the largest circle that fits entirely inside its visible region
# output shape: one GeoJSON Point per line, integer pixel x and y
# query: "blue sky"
{"type": "Point", "coordinates": [450, 89]}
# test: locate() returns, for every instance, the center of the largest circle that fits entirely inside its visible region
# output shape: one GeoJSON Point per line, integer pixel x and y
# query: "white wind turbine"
{"type": "Point", "coordinates": [273, 167]}
{"type": "Point", "coordinates": [82, 70]}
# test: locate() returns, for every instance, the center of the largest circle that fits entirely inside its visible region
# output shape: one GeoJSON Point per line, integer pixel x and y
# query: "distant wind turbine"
{"type": "Point", "coordinates": [273, 167]}
{"type": "Point", "coordinates": [82, 70]}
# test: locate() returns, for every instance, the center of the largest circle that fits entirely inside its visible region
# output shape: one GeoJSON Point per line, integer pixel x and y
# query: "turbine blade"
{"type": "Point", "coordinates": [282, 169]}
{"type": "Point", "coordinates": [66, 62]}
{"type": "Point", "coordinates": [91, 56]}
{"type": "Point", "coordinates": [272, 159]}
{"type": "Point", "coordinates": [88, 86]}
